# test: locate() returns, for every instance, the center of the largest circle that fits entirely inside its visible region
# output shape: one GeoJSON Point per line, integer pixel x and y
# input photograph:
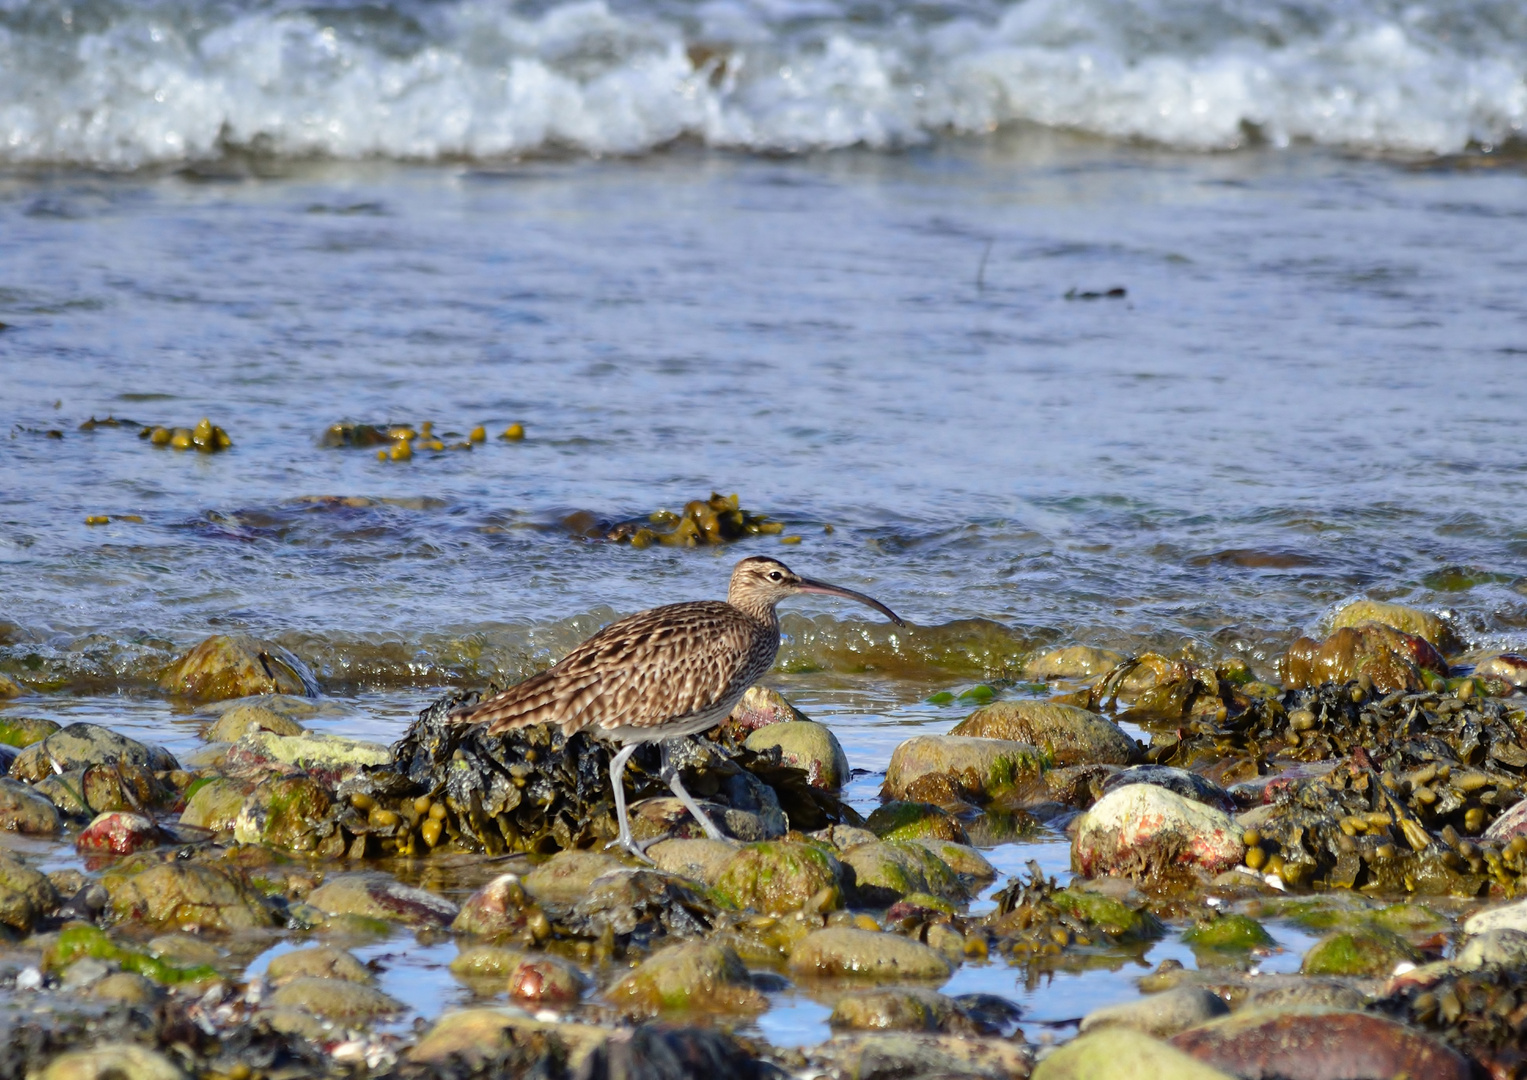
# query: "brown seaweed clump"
{"type": "Point", "coordinates": [1482, 1013]}
{"type": "Point", "coordinates": [717, 520]}
{"type": "Point", "coordinates": [455, 787]}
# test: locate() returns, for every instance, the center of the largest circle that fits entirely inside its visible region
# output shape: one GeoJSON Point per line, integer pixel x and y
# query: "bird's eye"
{"type": "Point", "coordinates": [775, 575]}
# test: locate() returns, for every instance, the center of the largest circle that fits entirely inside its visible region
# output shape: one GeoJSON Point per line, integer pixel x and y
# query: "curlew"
{"type": "Point", "coordinates": [661, 675]}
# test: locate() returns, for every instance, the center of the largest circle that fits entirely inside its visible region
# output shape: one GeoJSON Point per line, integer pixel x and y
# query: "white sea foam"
{"type": "Point", "coordinates": [123, 87]}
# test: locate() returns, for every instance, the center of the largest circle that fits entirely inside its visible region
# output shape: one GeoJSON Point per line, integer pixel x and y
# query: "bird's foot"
{"type": "Point", "coordinates": [637, 849]}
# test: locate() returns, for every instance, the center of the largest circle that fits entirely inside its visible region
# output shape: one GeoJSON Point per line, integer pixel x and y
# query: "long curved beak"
{"type": "Point", "coordinates": [807, 585]}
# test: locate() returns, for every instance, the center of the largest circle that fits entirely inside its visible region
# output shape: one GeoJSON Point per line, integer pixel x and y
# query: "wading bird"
{"type": "Point", "coordinates": [661, 675]}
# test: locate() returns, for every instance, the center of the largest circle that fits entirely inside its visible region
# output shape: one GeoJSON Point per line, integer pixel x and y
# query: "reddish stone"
{"type": "Point", "coordinates": [1320, 1046]}
{"type": "Point", "coordinates": [119, 833]}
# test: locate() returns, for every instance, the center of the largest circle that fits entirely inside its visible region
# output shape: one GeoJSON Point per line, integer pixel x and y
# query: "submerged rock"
{"type": "Point", "coordinates": [1369, 950]}
{"type": "Point", "coordinates": [1144, 831]}
{"type": "Point", "coordinates": [318, 962]}
{"type": "Point", "coordinates": [380, 896]}
{"type": "Point", "coordinates": [695, 975]}
{"type": "Point", "coordinates": [1070, 735]}
{"type": "Point", "coordinates": [840, 951]}
{"type": "Point", "coordinates": [1391, 659]}
{"type": "Point", "coordinates": [905, 1008]}
{"type": "Point", "coordinates": [335, 999]}
{"type": "Point", "coordinates": [1410, 620]}
{"type": "Point", "coordinates": [237, 665]}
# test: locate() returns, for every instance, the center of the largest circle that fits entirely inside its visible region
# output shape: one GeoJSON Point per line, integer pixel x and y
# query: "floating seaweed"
{"type": "Point", "coordinates": [717, 520]}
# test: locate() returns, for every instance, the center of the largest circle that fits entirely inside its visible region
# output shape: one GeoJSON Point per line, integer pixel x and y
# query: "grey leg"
{"type": "Point", "coordinates": [670, 776]}
{"type": "Point", "coordinates": [618, 785]}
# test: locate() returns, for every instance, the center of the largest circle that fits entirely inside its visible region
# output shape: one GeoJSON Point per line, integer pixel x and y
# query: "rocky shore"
{"type": "Point", "coordinates": [213, 916]}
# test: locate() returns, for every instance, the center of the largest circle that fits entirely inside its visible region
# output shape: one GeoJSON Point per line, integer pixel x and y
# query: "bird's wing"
{"type": "Point", "coordinates": [654, 666]}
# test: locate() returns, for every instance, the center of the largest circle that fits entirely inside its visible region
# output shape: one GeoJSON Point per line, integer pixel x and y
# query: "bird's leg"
{"type": "Point", "coordinates": [618, 785]}
{"type": "Point", "coordinates": [670, 776]}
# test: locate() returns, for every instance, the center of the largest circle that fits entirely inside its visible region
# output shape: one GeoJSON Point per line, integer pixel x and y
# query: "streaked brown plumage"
{"type": "Point", "coordinates": [661, 674]}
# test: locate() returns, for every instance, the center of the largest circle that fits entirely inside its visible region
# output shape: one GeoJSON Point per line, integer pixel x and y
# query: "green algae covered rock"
{"type": "Point", "coordinates": [889, 869]}
{"type": "Point", "coordinates": [979, 768]}
{"type": "Point", "coordinates": [22, 810]}
{"type": "Point", "coordinates": [778, 876]}
{"type": "Point", "coordinates": [77, 941]}
{"type": "Point", "coordinates": [1228, 932]}
{"type": "Point", "coordinates": [290, 812]}
{"type": "Point", "coordinates": [695, 975]}
{"type": "Point", "coordinates": [80, 746]}
{"type": "Point", "coordinates": [902, 820]}
{"type": "Point", "coordinates": [807, 745]}
{"type": "Point", "coordinates": [214, 804]}
{"type": "Point", "coordinates": [25, 894]}
{"type": "Point", "coordinates": [1369, 950]}
{"type": "Point", "coordinates": [318, 962]}
{"type": "Point", "coordinates": [1112, 917]}
{"type": "Point", "coordinates": [335, 999]}
{"type": "Point", "coordinates": [23, 731]}
{"type": "Point", "coordinates": [185, 896]}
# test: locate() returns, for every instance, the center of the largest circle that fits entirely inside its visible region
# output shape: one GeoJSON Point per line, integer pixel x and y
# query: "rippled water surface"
{"type": "Point", "coordinates": [1309, 389]}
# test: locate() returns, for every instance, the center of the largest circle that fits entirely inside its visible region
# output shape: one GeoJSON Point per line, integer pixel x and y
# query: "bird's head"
{"type": "Point", "coordinates": [761, 582]}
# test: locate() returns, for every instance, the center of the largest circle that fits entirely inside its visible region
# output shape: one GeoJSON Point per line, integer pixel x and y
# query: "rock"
{"type": "Point", "coordinates": [1073, 662]}
{"type": "Point", "coordinates": [498, 909]}
{"type": "Point", "coordinates": [564, 879]}
{"type": "Point", "coordinates": [841, 951]}
{"type": "Point", "coordinates": [1143, 830]}
{"type": "Point", "coordinates": [701, 860]}
{"type": "Point", "coordinates": [961, 858]}
{"type": "Point", "coordinates": [919, 1056]}
{"type": "Point", "coordinates": [119, 833]}
{"type": "Point", "coordinates": [646, 902]}
{"type": "Point", "coordinates": [318, 962]}
{"type": "Point", "coordinates": [474, 1037]}
{"type": "Point", "coordinates": [667, 816]}
{"type": "Point", "coordinates": [186, 896]}
{"type": "Point", "coordinates": [23, 731]}
{"type": "Point", "coordinates": [902, 1008]}
{"type": "Point", "coordinates": [237, 665]}
{"type": "Point", "coordinates": [777, 877]}
{"type": "Point", "coordinates": [1367, 950]}
{"type": "Point", "coordinates": [1120, 1053]}
{"type": "Point", "coordinates": [10, 688]}
{"type": "Point", "coordinates": [1109, 915]}
{"type": "Point", "coordinates": [80, 746]}
{"type": "Point", "coordinates": [1290, 993]}
{"type": "Point", "coordinates": [335, 999]}
{"type": "Point", "coordinates": [66, 791]}
{"type": "Point", "coordinates": [1228, 932]}
{"type": "Point", "coordinates": [1505, 917]}
{"type": "Point", "coordinates": [1393, 659]}
{"type": "Point", "coordinates": [380, 896]}
{"type": "Point", "coordinates": [22, 810]}
{"type": "Point", "coordinates": [843, 837]}
{"type": "Point", "coordinates": [1410, 620]}
{"type": "Point", "coordinates": [1071, 736]}
{"type": "Point", "coordinates": [1161, 1015]}
{"type": "Point", "coordinates": [328, 758]}
{"type": "Point", "coordinates": [694, 975]}
{"type": "Point", "coordinates": [1505, 948]}
{"type": "Point", "coordinates": [215, 804]}
{"type": "Point", "coordinates": [112, 1061]}
{"type": "Point", "coordinates": [901, 820]}
{"type": "Point", "coordinates": [247, 718]}
{"type": "Point", "coordinates": [126, 987]}
{"type": "Point", "coordinates": [25, 894]}
{"type": "Point", "coordinates": [889, 869]}
{"type": "Point", "coordinates": [806, 745]}
{"type": "Point", "coordinates": [547, 980]}
{"type": "Point", "coordinates": [121, 786]}
{"type": "Point", "coordinates": [1510, 668]}
{"type": "Point", "coordinates": [759, 708]}
{"type": "Point", "coordinates": [980, 768]}
{"type": "Point", "coordinates": [183, 950]}
{"type": "Point", "coordinates": [290, 812]}
{"type": "Point", "coordinates": [486, 962]}
{"type": "Point", "coordinates": [1187, 784]}
{"type": "Point", "coordinates": [1320, 1045]}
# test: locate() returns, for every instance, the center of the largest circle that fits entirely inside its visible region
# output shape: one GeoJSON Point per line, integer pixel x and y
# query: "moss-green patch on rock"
{"type": "Point", "coordinates": [903, 820]}
{"type": "Point", "coordinates": [777, 876]}
{"type": "Point", "coordinates": [1370, 950]}
{"type": "Point", "coordinates": [696, 975]}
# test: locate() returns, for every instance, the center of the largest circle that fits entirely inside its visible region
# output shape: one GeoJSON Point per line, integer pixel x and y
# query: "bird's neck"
{"type": "Point", "coordinates": [758, 610]}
